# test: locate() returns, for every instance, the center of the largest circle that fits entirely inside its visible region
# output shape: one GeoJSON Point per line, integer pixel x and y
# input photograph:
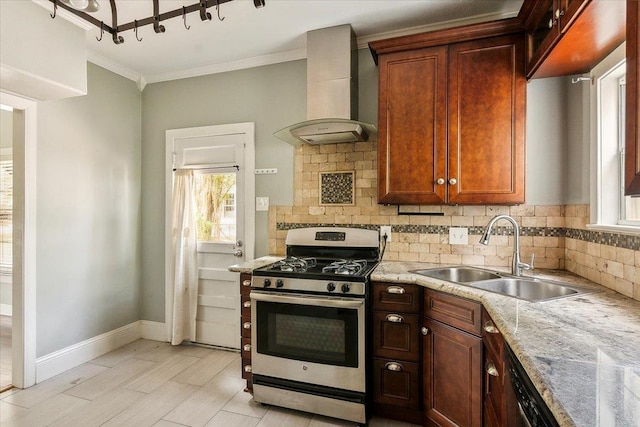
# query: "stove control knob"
{"type": "Point", "coordinates": [345, 288]}
{"type": "Point", "coordinates": [331, 286]}
{"type": "Point", "coordinates": [266, 283]}
{"type": "Point", "coordinates": [279, 283]}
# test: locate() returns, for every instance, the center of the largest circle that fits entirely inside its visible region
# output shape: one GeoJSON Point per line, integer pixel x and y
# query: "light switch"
{"type": "Point", "coordinates": [262, 203]}
{"type": "Point", "coordinates": [458, 236]}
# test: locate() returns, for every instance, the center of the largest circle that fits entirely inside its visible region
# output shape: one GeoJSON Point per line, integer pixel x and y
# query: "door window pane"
{"type": "Point", "coordinates": [216, 207]}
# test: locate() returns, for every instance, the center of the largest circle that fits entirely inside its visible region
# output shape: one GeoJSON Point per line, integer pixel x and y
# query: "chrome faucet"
{"type": "Point", "coordinates": [516, 265]}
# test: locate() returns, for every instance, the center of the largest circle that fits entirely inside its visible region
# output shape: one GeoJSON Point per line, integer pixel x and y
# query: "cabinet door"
{"type": "Point", "coordinates": [452, 376]}
{"type": "Point", "coordinates": [396, 383]}
{"type": "Point", "coordinates": [487, 91]}
{"type": "Point", "coordinates": [412, 138]}
{"type": "Point", "coordinates": [396, 335]}
{"type": "Point", "coordinates": [632, 150]}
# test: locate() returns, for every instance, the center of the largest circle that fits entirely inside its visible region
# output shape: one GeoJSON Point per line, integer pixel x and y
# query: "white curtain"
{"type": "Point", "coordinates": [185, 268]}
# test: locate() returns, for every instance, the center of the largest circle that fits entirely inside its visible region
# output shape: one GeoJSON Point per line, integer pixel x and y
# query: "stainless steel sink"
{"type": "Point", "coordinates": [458, 274]}
{"type": "Point", "coordinates": [529, 289]}
{"type": "Point", "coordinates": [526, 288]}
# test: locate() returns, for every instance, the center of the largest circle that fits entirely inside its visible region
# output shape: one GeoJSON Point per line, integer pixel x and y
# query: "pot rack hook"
{"type": "Point", "coordinates": [55, 9]}
{"type": "Point", "coordinates": [204, 15]}
{"type": "Point", "coordinates": [101, 31]}
{"type": "Point", "coordinates": [218, 10]}
{"type": "Point", "coordinates": [156, 18]}
{"type": "Point", "coordinates": [184, 18]}
{"type": "Point", "coordinates": [135, 25]}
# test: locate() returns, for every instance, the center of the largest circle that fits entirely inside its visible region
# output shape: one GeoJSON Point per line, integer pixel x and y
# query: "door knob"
{"type": "Point", "coordinates": [237, 253]}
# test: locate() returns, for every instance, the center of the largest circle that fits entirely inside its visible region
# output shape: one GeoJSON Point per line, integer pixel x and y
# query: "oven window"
{"type": "Point", "coordinates": [313, 334]}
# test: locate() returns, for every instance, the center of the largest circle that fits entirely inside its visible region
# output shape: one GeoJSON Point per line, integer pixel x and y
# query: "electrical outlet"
{"type": "Point", "coordinates": [262, 203]}
{"type": "Point", "coordinates": [386, 230]}
{"type": "Point", "coordinates": [458, 236]}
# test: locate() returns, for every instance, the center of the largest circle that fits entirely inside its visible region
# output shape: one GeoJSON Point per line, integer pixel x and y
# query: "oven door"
{"type": "Point", "coordinates": [307, 338]}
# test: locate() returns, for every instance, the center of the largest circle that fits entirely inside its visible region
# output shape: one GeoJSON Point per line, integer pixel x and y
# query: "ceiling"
{"type": "Point", "coordinates": [275, 33]}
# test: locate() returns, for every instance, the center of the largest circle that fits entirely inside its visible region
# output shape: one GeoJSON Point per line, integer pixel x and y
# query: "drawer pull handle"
{"type": "Point", "coordinates": [424, 330]}
{"type": "Point", "coordinates": [247, 368]}
{"type": "Point", "coordinates": [395, 318]}
{"type": "Point", "coordinates": [490, 328]}
{"type": "Point", "coordinates": [398, 290]}
{"type": "Point", "coordinates": [491, 369]}
{"type": "Point", "coordinates": [246, 325]}
{"type": "Point", "coordinates": [246, 304]}
{"type": "Point", "coordinates": [393, 366]}
{"type": "Point", "coordinates": [246, 283]}
{"type": "Point", "coordinates": [246, 347]}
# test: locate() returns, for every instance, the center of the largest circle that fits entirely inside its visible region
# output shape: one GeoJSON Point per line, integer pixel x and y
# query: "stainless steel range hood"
{"type": "Point", "coordinates": [332, 91]}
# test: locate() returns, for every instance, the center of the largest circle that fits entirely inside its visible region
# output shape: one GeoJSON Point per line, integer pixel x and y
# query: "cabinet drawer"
{"type": "Point", "coordinates": [245, 305]}
{"type": "Point", "coordinates": [246, 369]}
{"type": "Point", "coordinates": [396, 335]}
{"type": "Point", "coordinates": [245, 284]}
{"type": "Point", "coordinates": [494, 383]}
{"type": "Point", "coordinates": [396, 383]}
{"type": "Point", "coordinates": [396, 297]}
{"type": "Point", "coordinates": [491, 335]}
{"type": "Point", "coordinates": [245, 349]}
{"type": "Point", "coordinates": [454, 311]}
{"type": "Point", "coordinates": [245, 326]}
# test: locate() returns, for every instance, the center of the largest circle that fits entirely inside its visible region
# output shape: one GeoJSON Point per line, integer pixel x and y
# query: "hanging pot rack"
{"type": "Point", "coordinates": [115, 29]}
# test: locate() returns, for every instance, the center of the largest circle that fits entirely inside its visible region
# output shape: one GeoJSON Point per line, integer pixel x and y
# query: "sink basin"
{"type": "Point", "coordinates": [529, 289]}
{"type": "Point", "coordinates": [459, 274]}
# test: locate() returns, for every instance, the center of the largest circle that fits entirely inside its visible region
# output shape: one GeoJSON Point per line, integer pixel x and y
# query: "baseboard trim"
{"type": "Point", "coordinates": [62, 360]}
{"type": "Point", "coordinates": [156, 331]}
{"type": "Point", "coordinates": [6, 310]}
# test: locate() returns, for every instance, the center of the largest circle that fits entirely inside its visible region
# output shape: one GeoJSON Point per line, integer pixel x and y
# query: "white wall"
{"type": "Point", "coordinates": [40, 58]}
{"type": "Point", "coordinates": [88, 220]}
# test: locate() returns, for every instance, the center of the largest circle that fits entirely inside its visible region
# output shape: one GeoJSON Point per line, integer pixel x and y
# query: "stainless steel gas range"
{"type": "Point", "coordinates": [309, 316]}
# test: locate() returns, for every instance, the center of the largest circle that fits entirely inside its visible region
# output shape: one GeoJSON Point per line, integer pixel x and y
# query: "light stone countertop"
{"type": "Point", "coordinates": [249, 266]}
{"type": "Point", "coordinates": [582, 353]}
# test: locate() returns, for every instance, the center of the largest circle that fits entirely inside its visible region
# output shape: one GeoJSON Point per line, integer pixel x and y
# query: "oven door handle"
{"type": "Point", "coordinates": [308, 300]}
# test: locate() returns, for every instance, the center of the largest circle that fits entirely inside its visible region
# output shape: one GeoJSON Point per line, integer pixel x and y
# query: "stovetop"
{"type": "Point", "coordinates": [313, 265]}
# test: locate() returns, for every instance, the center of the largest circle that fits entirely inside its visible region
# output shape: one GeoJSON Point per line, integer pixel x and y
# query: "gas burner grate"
{"type": "Point", "coordinates": [294, 264]}
{"type": "Point", "coordinates": [346, 267]}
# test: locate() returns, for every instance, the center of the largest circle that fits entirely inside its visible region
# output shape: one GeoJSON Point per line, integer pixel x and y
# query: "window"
{"type": "Point", "coordinates": [611, 208]}
{"type": "Point", "coordinates": [216, 207]}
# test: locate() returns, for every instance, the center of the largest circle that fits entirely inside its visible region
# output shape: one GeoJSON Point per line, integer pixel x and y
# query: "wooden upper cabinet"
{"type": "Point", "coordinates": [487, 91]}
{"type": "Point", "coordinates": [412, 121]}
{"type": "Point", "coordinates": [567, 37]}
{"type": "Point", "coordinates": [632, 149]}
{"type": "Point", "coordinates": [451, 116]}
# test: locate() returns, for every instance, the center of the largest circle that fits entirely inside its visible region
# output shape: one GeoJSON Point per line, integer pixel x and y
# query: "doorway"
{"type": "Point", "coordinates": [222, 158]}
{"type": "Point", "coordinates": [6, 243]}
{"type": "Point", "coordinates": [22, 273]}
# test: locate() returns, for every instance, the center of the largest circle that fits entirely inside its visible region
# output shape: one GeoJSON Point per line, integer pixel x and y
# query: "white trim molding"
{"type": "Point", "coordinates": [82, 352]}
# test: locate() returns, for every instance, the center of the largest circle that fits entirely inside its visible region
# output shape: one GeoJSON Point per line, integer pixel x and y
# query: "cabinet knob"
{"type": "Point", "coordinates": [551, 22]}
{"type": "Point", "coordinates": [246, 304]}
{"type": "Point", "coordinates": [453, 181]}
{"type": "Point", "coordinates": [491, 369]}
{"type": "Point", "coordinates": [246, 325]}
{"type": "Point", "coordinates": [393, 366]}
{"type": "Point", "coordinates": [490, 328]}
{"type": "Point", "coordinates": [440, 181]}
{"type": "Point", "coordinates": [398, 290]}
{"type": "Point", "coordinates": [246, 283]}
{"type": "Point", "coordinates": [395, 318]}
{"type": "Point", "coordinates": [246, 347]}
{"type": "Point", "coordinates": [247, 368]}
{"type": "Point", "coordinates": [559, 13]}
{"type": "Point", "coordinates": [424, 330]}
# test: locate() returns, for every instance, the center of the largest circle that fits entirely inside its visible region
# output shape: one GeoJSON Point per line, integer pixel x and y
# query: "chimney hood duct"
{"type": "Point", "coordinates": [332, 91]}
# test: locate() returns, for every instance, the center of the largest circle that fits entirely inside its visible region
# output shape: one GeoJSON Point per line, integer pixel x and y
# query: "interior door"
{"type": "Point", "coordinates": [219, 160]}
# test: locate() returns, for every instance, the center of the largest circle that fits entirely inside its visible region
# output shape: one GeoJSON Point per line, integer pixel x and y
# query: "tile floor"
{"type": "Point", "coordinates": [148, 383]}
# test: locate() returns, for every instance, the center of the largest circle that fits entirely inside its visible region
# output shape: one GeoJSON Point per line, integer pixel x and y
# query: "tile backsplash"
{"type": "Point", "coordinates": [556, 235]}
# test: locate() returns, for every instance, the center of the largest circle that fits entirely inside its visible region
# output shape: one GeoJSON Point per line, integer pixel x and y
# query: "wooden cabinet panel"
{"type": "Point", "coordinates": [632, 149]}
{"type": "Point", "coordinates": [452, 376]}
{"type": "Point", "coordinates": [245, 332]}
{"type": "Point", "coordinates": [396, 297]}
{"type": "Point", "coordinates": [455, 311]}
{"type": "Point", "coordinates": [396, 335]}
{"type": "Point", "coordinates": [396, 383]}
{"type": "Point", "coordinates": [245, 284]}
{"type": "Point", "coordinates": [412, 121]}
{"type": "Point", "coordinates": [487, 91]}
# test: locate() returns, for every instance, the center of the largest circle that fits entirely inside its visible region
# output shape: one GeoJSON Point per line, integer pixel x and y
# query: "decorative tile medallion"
{"type": "Point", "coordinates": [337, 188]}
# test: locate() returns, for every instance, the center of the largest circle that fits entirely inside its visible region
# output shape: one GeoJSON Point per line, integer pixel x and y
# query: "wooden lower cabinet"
{"type": "Point", "coordinates": [245, 328]}
{"type": "Point", "coordinates": [452, 376]}
{"type": "Point", "coordinates": [494, 374]}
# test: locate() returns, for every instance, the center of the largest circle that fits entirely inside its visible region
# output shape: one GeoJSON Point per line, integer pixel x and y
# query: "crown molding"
{"type": "Point", "coordinates": [363, 42]}
{"type": "Point", "coordinates": [116, 68]}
